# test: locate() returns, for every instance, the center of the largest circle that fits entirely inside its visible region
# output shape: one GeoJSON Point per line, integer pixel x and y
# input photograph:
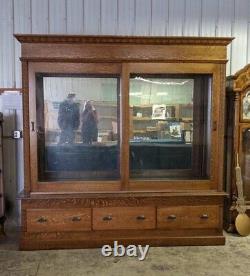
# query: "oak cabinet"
{"type": "Point", "coordinates": [121, 133]}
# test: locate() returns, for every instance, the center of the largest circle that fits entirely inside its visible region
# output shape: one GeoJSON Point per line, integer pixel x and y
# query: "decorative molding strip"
{"type": "Point", "coordinates": [241, 80]}
{"type": "Point", "coordinates": [154, 40]}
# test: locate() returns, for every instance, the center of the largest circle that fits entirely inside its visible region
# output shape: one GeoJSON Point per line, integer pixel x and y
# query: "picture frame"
{"type": "Point", "coordinates": [245, 111]}
{"type": "Point", "coordinates": [175, 130]}
{"type": "Point", "coordinates": [188, 136]}
{"type": "Point", "coordinates": [170, 111]}
{"type": "Point", "coordinates": [158, 111]}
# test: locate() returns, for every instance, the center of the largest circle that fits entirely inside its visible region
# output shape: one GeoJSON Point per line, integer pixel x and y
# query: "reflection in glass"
{"type": "Point", "coordinates": [246, 107]}
{"type": "Point", "coordinates": [246, 163]}
{"type": "Point", "coordinates": [77, 127]}
{"type": "Point", "coordinates": [170, 126]}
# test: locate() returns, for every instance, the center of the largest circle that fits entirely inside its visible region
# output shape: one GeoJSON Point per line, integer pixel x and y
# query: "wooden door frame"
{"type": "Point", "coordinates": [216, 131]}
{"type": "Point", "coordinates": [124, 70]}
{"type": "Point", "coordinates": [63, 68]}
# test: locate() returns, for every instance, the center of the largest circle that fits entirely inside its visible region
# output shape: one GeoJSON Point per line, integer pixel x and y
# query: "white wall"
{"type": "Point", "coordinates": [124, 17]}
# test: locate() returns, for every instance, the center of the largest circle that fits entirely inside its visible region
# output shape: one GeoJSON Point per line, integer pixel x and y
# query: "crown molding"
{"type": "Point", "coordinates": [154, 40]}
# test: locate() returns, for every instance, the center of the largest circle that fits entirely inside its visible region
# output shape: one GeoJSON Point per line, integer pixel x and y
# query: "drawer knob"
{"type": "Point", "coordinates": [76, 219]}
{"type": "Point", "coordinates": [107, 218]}
{"type": "Point", "coordinates": [204, 216]}
{"type": "Point", "coordinates": [42, 220]}
{"type": "Point", "coordinates": [172, 217]}
{"type": "Point", "coordinates": [141, 217]}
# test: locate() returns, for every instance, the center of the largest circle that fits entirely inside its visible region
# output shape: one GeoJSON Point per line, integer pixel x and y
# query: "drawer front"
{"type": "Point", "coordinates": [123, 218]}
{"type": "Point", "coordinates": [52, 220]}
{"type": "Point", "coordinates": [188, 217]}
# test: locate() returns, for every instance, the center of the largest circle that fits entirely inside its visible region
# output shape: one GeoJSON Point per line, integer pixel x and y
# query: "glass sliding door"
{"type": "Point", "coordinates": [77, 127]}
{"type": "Point", "coordinates": [170, 126]}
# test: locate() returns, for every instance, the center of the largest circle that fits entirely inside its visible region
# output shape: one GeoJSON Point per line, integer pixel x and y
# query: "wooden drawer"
{"type": "Point", "coordinates": [188, 217]}
{"type": "Point", "coordinates": [52, 220]}
{"type": "Point", "coordinates": [123, 218]}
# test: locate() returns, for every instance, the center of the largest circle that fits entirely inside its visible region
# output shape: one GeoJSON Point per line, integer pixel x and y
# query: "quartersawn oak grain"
{"type": "Point", "coordinates": [125, 199]}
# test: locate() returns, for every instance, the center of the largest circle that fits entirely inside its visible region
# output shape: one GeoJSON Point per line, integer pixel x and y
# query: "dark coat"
{"type": "Point", "coordinates": [89, 126]}
{"type": "Point", "coordinates": [68, 115]}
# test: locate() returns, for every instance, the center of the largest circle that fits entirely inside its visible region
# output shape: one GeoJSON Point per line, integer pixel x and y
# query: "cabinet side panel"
{"type": "Point", "coordinates": [26, 135]}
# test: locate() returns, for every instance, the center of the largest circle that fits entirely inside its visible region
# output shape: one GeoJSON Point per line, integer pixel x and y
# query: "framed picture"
{"type": "Point", "coordinates": [170, 111]}
{"type": "Point", "coordinates": [175, 130]}
{"type": "Point", "coordinates": [158, 111]}
{"type": "Point", "coordinates": [246, 107]}
{"type": "Point", "coordinates": [187, 136]}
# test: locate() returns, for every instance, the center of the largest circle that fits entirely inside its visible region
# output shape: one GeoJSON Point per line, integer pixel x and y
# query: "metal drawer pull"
{"type": "Point", "coordinates": [42, 220]}
{"type": "Point", "coordinates": [204, 216]}
{"type": "Point", "coordinates": [107, 218]}
{"type": "Point", "coordinates": [141, 217]}
{"type": "Point", "coordinates": [172, 217]}
{"type": "Point", "coordinates": [76, 219]}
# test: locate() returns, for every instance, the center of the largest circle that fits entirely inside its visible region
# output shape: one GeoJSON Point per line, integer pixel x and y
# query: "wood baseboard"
{"type": "Point", "coordinates": [155, 241]}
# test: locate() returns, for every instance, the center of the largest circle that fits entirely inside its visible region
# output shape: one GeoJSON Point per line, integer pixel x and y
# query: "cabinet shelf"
{"type": "Point", "coordinates": [150, 119]}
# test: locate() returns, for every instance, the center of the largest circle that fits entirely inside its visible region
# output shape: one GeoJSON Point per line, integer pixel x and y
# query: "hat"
{"type": "Point", "coordinates": [71, 95]}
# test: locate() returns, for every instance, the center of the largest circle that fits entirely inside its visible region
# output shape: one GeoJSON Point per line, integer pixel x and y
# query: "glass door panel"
{"type": "Point", "coordinates": [245, 162]}
{"type": "Point", "coordinates": [170, 126]}
{"type": "Point", "coordinates": [77, 127]}
{"type": "Point", "coordinates": [246, 107]}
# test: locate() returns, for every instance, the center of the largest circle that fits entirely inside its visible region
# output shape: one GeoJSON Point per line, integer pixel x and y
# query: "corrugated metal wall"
{"type": "Point", "coordinates": [125, 17]}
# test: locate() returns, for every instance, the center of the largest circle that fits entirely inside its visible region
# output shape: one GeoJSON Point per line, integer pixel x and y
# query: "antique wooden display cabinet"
{"type": "Point", "coordinates": [238, 141]}
{"type": "Point", "coordinates": [123, 140]}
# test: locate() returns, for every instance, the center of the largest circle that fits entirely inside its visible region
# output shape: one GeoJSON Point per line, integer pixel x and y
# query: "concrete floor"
{"type": "Point", "coordinates": [231, 259]}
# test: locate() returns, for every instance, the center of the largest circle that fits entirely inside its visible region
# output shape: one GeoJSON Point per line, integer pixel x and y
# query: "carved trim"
{"type": "Point", "coordinates": [241, 80]}
{"type": "Point", "coordinates": [55, 203]}
{"type": "Point", "coordinates": [155, 40]}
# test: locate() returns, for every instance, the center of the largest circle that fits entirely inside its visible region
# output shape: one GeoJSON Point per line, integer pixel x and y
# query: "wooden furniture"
{"type": "Point", "coordinates": [133, 199]}
{"type": "Point", "coordinates": [238, 141]}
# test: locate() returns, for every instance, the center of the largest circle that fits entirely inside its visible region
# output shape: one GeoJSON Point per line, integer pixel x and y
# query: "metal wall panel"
{"type": "Point", "coordinates": [22, 24]}
{"type": "Point", "coordinates": [109, 13]}
{"type": "Point", "coordinates": [248, 43]}
{"type": "Point", "coordinates": [7, 62]}
{"type": "Point", "coordinates": [209, 18]}
{"type": "Point", "coordinates": [57, 16]}
{"type": "Point", "coordinates": [39, 16]}
{"type": "Point", "coordinates": [142, 17]}
{"type": "Point", "coordinates": [131, 17]}
{"type": "Point", "coordinates": [159, 17]}
{"type": "Point", "coordinates": [192, 19]}
{"type": "Point", "coordinates": [126, 17]}
{"type": "Point", "coordinates": [75, 22]}
{"type": "Point", "coordinates": [240, 27]}
{"type": "Point", "coordinates": [176, 17]}
{"type": "Point", "coordinates": [92, 16]}
{"type": "Point", "coordinates": [225, 16]}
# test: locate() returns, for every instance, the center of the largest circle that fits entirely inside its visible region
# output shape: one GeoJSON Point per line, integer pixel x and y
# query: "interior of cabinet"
{"type": "Point", "coordinates": [169, 126]}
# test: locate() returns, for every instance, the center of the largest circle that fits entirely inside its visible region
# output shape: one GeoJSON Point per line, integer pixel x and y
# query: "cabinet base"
{"type": "Point", "coordinates": [164, 219]}
{"type": "Point", "coordinates": [27, 244]}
